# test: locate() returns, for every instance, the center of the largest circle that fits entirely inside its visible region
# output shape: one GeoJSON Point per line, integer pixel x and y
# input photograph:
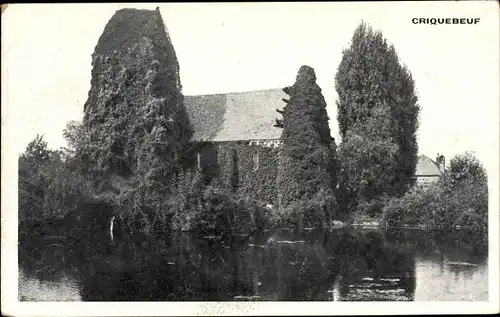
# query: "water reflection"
{"type": "Point", "coordinates": [320, 265]}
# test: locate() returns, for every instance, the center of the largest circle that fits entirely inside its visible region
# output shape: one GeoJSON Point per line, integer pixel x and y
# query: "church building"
{"type": "Point", "coordinates": [237, 139]}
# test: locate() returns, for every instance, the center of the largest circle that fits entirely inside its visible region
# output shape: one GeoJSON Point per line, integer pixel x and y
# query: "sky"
{"type": "Point", "coordinates": [46, 61]}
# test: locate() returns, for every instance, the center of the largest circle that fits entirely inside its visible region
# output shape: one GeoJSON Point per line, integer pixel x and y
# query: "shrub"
{"type": "Point", "coordinates": [316, 212]}
{"type": "Point", "coordinates": [418, 206]}
{"type": "Point", "coordinates": [461, 199]}
{"type": "Point", "coordinates": [210, 209]}
{"type": "Point", "coordinates": [370, 210]}
{"type": "Point", "coordinates": [466, 203]}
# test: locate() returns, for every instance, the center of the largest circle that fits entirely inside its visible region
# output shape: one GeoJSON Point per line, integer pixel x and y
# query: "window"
{"type": "Point", "coordinates": [256, 160]}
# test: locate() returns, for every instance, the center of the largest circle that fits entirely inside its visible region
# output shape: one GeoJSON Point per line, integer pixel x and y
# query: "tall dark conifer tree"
{"type": "Point", "coordinates": [307, 156]}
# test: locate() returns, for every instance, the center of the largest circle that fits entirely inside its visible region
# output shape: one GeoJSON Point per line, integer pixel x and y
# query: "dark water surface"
{"type": "Point", "coordinates": [321, 265]}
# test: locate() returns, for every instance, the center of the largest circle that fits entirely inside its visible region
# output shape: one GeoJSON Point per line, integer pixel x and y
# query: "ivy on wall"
{"type": "Point", "coordinates": [239, 167]}
{"type": "Point", "coordinates": [240, 171]}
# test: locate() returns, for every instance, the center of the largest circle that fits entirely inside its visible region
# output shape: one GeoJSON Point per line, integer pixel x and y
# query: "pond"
{"type": "Point", "coordinates": [281, 265]}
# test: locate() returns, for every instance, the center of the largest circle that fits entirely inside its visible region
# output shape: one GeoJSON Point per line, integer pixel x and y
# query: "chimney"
{"type": "Point", "coordinates": [441, 163]}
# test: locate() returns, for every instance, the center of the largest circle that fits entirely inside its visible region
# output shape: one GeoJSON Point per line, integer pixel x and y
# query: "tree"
{"type": "Point", "coordinates": [366, 170]}
{"type": "Point", "coordinates": [37, 165]}
{"type": "Point", "coordinates": [466, 187]}
{"type": "Point", "coordinates": [37, 153]}
{"type": "Point", "coordinates": [307, 159]}
{"type": "Point", "coordinates": [466, 166]}
{"type": "Point", "coordinates": [377, 104]}
{"type": "Point", "coordinates": [235, 174]}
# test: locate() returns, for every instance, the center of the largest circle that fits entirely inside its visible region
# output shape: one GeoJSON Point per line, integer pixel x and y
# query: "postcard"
{"type": "Point", "coordinates": [250, 158]}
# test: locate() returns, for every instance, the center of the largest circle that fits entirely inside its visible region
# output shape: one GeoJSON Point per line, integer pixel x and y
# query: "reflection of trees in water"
{"type": "Point", "coordinates": [372, 270]}
{"type": "Point", "coordinates": [457, 244]}
{"type": "Point", "coordinates": [358, 265]}
{"type": "Point", "coordinates": [154, 269]}
{"type": "Point", "coordinates": [265, 271]}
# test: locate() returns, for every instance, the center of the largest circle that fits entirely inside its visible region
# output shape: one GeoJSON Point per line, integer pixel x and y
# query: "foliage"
{"type": "Point", "coordinates": [369, 211]}
{"type": "Point", "coordinates": [307, 162]}
{"type": "Point", "coordinates": [211, 210]}
{"type": "Point", "coordinates": [365, 170]}
{"type": "Point", "coordinates": [52, 191]}
{"type": "Point", "coordinates": [238, 172]}
{"type": "Point", "coordinates": [37, 167]}
{"type": "Point", "coordinates": [186, 201]}
{"type": "Point", "coordinates": [467, 204]}
{"type": "Point", "coordinates": [376, 103]}
{"type": "Point", "coordinates": [316, 212]}
{"type": "Point", "coordinates": [65, 191]}
{"type": "Point", "coordinates": [419, 206]}
{"type": "Point", "coordinates": [465, 166]}
{"type": "Point", "coordinates": [466, 189]}
{"type": "Point", "coordinates": [451, 202]}
{"type": "Point", "coordinates": [135, 126]}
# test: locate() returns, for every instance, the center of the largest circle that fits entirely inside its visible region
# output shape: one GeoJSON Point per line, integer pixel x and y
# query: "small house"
{"type": "Point", "coordinates": [429, 172]}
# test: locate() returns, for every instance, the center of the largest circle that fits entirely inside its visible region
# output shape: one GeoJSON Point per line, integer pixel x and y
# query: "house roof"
{"type": "Point", "coordinates": [427, 167]}
{"type": "Point", "coordinates": [248, 115]}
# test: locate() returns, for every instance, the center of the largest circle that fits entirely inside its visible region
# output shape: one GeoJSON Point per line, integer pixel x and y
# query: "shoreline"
{"type": "Point", "coordinates": [57, 236]}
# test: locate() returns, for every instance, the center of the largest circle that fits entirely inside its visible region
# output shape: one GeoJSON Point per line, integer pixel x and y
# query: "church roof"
{"type": "Point", "coordinates": [248, 115]}
{"type": "Point", "coordinates": [427, 167]}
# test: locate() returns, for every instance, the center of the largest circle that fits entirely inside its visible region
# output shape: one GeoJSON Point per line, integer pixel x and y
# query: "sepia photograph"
{"type": "Point", "coordinates": [218, 158]}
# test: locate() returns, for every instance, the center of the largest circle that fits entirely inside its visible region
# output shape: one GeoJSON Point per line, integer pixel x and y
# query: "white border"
{"type": "Point", "coordinates": [10, 305]}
